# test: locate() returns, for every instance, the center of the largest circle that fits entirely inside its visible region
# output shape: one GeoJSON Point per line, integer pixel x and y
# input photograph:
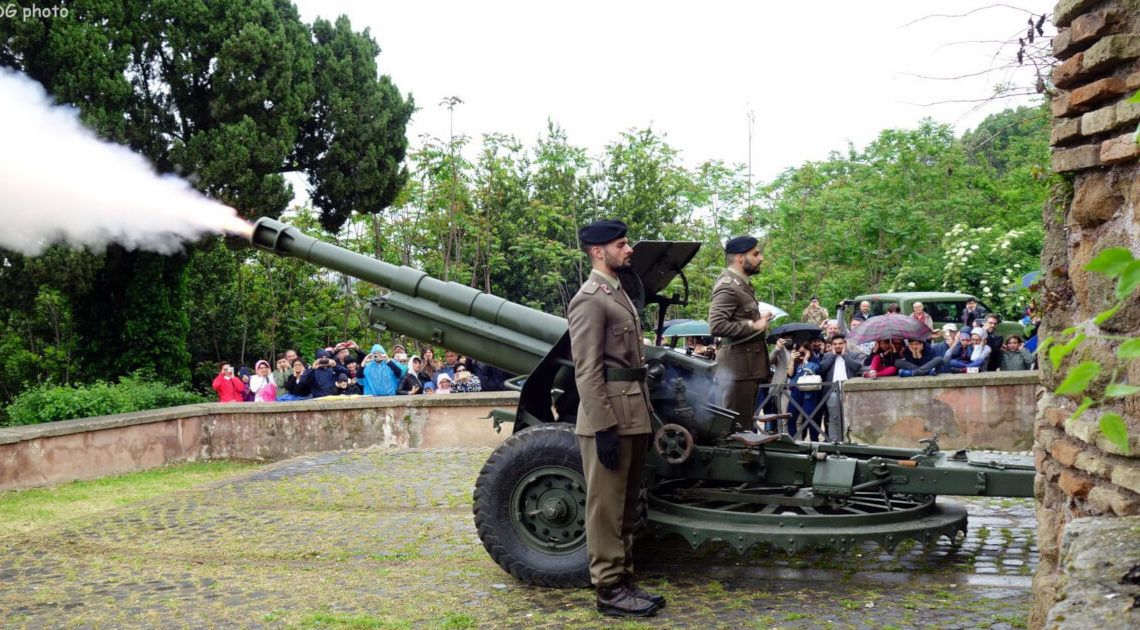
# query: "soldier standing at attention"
{"type": "Point", "coordinates": [613, 418]}
{"type": "Point", "coordinates": [734, 315]}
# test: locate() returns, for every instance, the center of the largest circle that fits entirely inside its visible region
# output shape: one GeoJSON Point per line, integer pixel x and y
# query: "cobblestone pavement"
{"type": "Point", "coordinates": [384, 539]}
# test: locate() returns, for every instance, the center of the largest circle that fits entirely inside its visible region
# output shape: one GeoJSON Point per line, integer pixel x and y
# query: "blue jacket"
{"type": "Point", "coordinates": [381, 378]}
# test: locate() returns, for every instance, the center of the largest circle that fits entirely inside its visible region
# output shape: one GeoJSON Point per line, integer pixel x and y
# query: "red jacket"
{"type": "Point", "coordinates": [229, 390]}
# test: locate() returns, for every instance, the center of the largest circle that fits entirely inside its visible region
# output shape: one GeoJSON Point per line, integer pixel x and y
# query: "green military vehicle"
{"type": "Point", "coordinates": [944, 308]}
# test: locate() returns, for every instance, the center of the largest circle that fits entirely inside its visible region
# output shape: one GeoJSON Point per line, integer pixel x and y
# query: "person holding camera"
{"type": "Point", "coordinates": [381, 374]}
{"type": "Point", "coordinates": [295, 388]}
{"type": "Point", "coordinates": [229, 387]}
{"type": "Point", "coordinates": [805, 397]}
{"type": "Point", "coordinates": [321, 376]}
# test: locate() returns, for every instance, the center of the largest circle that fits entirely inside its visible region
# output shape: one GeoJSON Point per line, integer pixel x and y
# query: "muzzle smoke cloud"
{"type": "Point", "coordinates": [59, 182]}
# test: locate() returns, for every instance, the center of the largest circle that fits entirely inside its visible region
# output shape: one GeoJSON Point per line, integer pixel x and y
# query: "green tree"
{"type": "Point", "coordinates": [235, 93]}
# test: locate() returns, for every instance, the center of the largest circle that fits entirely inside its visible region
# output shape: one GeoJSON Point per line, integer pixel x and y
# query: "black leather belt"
{"type": "Point", "coordinates": [625, 374]}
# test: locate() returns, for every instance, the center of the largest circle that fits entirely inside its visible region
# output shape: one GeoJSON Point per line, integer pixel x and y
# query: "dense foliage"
{"type": "Point", "coordinates": [47, 403]}
{"type": "Point", "coordinates": [232, 94]}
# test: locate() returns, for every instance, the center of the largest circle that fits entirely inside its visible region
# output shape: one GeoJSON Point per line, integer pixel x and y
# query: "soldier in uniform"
{"type": "Point", "coordinates": [734, 315]}
{"type": "Point", "coordinates": [613, 426]}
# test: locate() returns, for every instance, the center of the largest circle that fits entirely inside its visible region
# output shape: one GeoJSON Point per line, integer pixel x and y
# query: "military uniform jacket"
{"type": "Point", "coordinates": [605, 332]}
{"type": "Point", "coordinates": [732, 310]}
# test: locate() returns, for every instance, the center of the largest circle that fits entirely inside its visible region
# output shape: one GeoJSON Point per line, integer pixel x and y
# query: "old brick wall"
{"type": "Point", "coordinates": [1080, 473]}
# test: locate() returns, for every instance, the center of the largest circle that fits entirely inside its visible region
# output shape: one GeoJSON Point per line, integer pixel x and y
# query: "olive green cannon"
{"type": "Point", "coordinates": [707, 479]}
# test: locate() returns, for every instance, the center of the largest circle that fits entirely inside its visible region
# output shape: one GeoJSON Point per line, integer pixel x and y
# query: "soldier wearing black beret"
{"type": "Point", "coordinates": [613, 425]}
{"type": "Point", "coordinates": [734, 315]}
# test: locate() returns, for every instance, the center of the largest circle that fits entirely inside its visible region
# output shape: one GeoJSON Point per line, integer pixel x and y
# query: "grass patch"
{"type": "Point", "coordinates": [1017, 621]}
{"type": "Point", "coordinates": [354, 622]}
{"type": "Point", "coordinates": [35, 509]}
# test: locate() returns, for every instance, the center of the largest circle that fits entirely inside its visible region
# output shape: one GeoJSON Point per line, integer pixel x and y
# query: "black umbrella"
{"type": "Point", "coordinates": [799, 332]}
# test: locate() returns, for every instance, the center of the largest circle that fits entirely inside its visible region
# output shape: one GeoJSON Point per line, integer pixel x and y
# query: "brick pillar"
{"type": "Point", "coordinates": [1079, 472]}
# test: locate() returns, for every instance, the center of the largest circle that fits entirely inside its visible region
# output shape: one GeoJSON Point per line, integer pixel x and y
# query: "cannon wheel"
{"type": "Point", "coordinates": [530, 507]}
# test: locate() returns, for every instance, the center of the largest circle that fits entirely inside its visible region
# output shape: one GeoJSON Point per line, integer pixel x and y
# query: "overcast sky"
{"type": "Point", "coordinates": [816, 75]}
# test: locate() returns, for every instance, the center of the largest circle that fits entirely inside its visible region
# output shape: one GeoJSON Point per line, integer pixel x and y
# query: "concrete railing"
{"type": "Point", "coordinates": [979, 411]}
{"type": "Point", "coordinates": [56, 452]}
{"type": "Point", "coordinates": [992, 410]}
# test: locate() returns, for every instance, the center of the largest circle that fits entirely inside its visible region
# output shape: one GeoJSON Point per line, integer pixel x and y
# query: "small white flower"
{"type": "Point", "coordinates": [973, 247]}
{"type": "Point", "coordinates": [910, 284]}
{"type": "Point", "coordinates": [1009, 270]}
{"type": "Point", "coordinates": [983, 282]}
{"type": "Point", "coordinates": [986, 290]}
{"type": "Point", "coordinates": [1005, 280]}
{"type": "Point", "coordinates": [1016, 265]}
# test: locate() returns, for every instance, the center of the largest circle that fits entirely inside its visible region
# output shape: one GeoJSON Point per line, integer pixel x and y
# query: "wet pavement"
{"type": "Point", "coordinates": [385, 539]}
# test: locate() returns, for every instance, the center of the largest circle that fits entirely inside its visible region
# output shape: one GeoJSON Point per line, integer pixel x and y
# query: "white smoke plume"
{"type": "Point", "coordinates": [61, 183]}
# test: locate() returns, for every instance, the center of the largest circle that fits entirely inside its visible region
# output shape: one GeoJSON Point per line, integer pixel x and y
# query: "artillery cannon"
{"type": "Point", "coordinates": [705, 480]}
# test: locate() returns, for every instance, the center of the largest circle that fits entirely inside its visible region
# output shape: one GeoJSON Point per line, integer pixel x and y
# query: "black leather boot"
{"type": "Point", "coordinates": [637, 591]}
{"type": "Point", "coordinates": [618, 601]}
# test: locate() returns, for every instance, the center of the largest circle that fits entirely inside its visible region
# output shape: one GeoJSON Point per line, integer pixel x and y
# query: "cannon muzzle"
{"type": "Point", "coordinates": [482, 326]}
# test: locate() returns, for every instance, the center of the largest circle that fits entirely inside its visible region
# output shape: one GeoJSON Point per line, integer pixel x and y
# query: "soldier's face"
{"type": "Point", "coordinates": [752, 261]}
{"type": "Point", "coordinates": [617, 254]}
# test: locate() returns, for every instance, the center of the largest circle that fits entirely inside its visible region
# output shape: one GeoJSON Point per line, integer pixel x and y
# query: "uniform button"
{"type": "Point", "coordinates": [623, 391]}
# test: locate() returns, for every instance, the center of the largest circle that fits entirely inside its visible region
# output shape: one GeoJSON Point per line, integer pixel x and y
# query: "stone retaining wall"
{"type": "Point", "coordinates": [56, 452]}
{"type": "Point", "coordinates": [1080, 473]}
{"type": "Point", "coordinates": [980, 411]}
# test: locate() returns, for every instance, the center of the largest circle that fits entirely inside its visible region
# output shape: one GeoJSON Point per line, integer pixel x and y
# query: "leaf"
{"type": "Point", "coordinates": [1104, 315]}
{"type": "Point", "coordinates": [1068, 331]}
{"type": "Point", "coordinates": [1129, 349]}
{"type": "Point", "coordinates": [1112, 426]}
{"type": "Point", "coordinates": [1120, 390]}
{"type": "Point", "coordinates": [1085, 404]}
{"type": "Point", "coordinates": [1058, 353]}
{"type": "Point", "coordinates": [1135, 98]}
{"type": "Point", "coordinates": [1129, 280]}
{"type": "Point", "coordinates": [1043, 347]}
{"type": "Point", "coordinates": [1111, 261]}
{"type": "Point", "coordinates": [1078, 378]}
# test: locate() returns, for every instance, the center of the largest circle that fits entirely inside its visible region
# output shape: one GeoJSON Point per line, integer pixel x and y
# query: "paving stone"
{"type": "Point", "coordinates": [385, 538]}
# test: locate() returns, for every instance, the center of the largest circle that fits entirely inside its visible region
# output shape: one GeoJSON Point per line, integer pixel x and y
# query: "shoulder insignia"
{"type": "Point", "coordinates": [590, 287]}
{"type": "Point", "coordinates": [606, 288]}
{"type": "Point", "coordinates": [736, 281]}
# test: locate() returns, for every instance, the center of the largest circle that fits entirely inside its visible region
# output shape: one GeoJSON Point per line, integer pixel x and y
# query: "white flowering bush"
{"type": "Point", "coordinates": [990, 262]}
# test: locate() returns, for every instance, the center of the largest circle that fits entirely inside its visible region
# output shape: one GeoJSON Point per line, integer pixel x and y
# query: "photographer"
{"type": "Point", "coordinates": [229, 387]}
{"type": "Point", "coordinates": [296, 389]}
{"type": "Point", "coordinates": [321, 377]}
{"type": "Point", "coordinates": [381, 374]}
{"type": "Point", "coordinates": [804, 399]}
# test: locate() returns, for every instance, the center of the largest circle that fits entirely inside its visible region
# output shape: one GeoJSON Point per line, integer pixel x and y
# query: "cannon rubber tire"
{"type": "Point", "coordinates": [542, 447]}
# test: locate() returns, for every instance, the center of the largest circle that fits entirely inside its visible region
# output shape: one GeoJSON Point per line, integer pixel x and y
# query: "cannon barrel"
{"type": "Point", "coordinates": [482, 326]}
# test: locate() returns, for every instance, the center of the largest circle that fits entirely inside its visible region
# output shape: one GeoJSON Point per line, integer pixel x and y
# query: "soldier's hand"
{"type": "Point", "coordinates": [609, 447]}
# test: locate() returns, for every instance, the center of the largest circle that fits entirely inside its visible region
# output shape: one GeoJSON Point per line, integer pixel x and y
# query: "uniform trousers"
{"type": "Point", "coordinates": [740, 396]}
{"type": "Point", "coordinates": [611, 507]}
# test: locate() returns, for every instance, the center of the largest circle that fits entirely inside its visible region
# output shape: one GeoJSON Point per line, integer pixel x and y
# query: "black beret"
{"type": "Point", "coordinates": [602, 232]}
{"type": "Point", "coordinates": [740, 244]}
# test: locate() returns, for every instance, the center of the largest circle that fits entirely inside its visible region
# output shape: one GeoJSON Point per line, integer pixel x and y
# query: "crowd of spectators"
{"type": "Point", "coordinates": [807, 366]}
{"type": "Point", "coordinates": [346, 370]}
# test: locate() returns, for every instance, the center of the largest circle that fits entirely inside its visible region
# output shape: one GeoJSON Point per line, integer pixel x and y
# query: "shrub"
{"type": "Point", "coordinates": [47, 403]}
